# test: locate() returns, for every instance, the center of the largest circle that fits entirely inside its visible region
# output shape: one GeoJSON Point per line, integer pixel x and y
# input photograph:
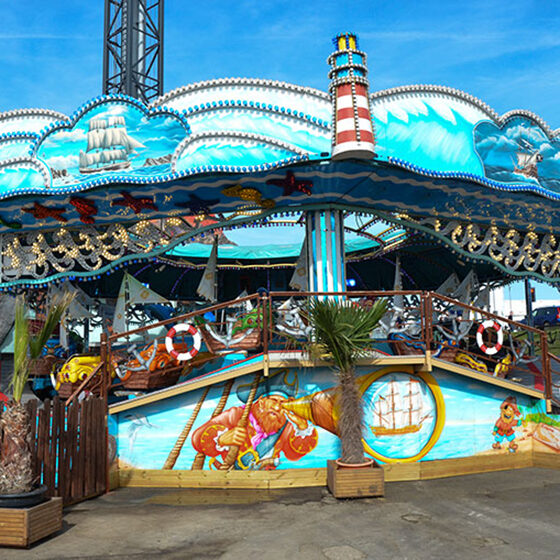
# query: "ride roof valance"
{"type": "Point", "coordinates": [429, 158]}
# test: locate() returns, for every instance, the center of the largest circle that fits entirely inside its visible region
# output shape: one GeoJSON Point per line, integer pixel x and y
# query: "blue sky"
{"type": "Point", "coordinates": [506, 53]}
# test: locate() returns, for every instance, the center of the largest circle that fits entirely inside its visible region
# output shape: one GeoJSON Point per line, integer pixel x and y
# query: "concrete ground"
{"type": "Point", "coordinates": [513, 514]}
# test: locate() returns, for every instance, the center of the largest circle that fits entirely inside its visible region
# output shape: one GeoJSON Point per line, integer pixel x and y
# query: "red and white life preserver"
{"type": "Point", "coordinates": [197, 341]}
{"type": "Point", "coordinates": [499, 332]}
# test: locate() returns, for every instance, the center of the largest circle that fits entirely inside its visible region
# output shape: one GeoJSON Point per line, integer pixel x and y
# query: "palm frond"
{"type": "Point", "coordinates": [57, 309]}
{"type": "Point", "coordinates": [21, 341]}
{"type": "Point", "coordinates": [28, 348]}
{"type": "Point", "coordinates": [343, 329]}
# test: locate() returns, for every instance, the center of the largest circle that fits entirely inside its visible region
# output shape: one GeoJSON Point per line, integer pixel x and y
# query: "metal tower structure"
{"type": "Point", "coordinates": [133, 48]}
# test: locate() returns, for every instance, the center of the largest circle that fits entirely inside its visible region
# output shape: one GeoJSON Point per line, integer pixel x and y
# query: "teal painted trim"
{"type": "Point", "coordinates": [324, 255]}
{"type": "Point", "coordinates": [335, 253]}
{"type": "Point", "coordinates": [313, 241]}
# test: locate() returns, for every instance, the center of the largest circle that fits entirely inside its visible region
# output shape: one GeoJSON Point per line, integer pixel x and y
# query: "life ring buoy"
{"type": "Point", "coordinates": [197, 342]}
{"type": "Point", "coordinates": [490, 324]}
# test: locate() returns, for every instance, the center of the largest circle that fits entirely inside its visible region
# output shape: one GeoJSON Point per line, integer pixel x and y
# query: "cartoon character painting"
{"type": "Point", "coordinates": [271, 431]}
{"type": "Point", "coordinates": [504, 427]}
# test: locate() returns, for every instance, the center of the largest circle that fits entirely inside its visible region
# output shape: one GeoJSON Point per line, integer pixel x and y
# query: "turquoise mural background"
{"type": "Point", "coordinates": [147, 434]}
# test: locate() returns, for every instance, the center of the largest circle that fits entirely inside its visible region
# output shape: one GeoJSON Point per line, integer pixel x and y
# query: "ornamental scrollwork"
{"type": "Point", "coordinates": [38, 255]}
{"type": "Point", "coordinates": [511, 249]}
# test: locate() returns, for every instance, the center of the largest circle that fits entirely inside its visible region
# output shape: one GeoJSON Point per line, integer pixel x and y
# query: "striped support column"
{"type": "Point", "coordinates": [325, 251]}
{"type": "Point", "coordinates": [353, 135]}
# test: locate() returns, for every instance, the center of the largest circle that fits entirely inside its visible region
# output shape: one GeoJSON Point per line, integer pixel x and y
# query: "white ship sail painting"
{"type": "Point", "coordinates": [109, 146]}
{"type": "Point", "coordinates": [399, 409]}
{"type": "Point", "coordinates": [527, 160]}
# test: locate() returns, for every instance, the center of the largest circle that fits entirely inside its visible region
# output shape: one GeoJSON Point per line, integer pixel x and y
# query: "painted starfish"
{"type": "Point", "coordinates": [136, 204]}
{"type": "Point", "coordinates": [291, 185]}
{"type": "Point", "coordinates": [197, 205]}
{"type": "Point", "coordinates": [40, 212]}
{"type": "Point", "coordinates": [85, 208]}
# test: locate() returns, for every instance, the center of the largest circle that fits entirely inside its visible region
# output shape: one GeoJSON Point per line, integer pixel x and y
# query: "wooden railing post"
{"type": "Point", "coordinates": [103, 353]}
{"type": "Point", "coordinates": [105, 373]}
{"type": "Point", "coordinates": [546, 367]}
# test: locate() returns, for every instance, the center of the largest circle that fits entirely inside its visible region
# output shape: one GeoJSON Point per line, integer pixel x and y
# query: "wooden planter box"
{"type": "Point", "coordinates": [23, 527]}
{"type": "Point", "coordinates": [355, 482]}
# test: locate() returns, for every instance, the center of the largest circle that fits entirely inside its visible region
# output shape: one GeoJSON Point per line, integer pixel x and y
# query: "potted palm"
{"type": "Point", "coordinates": [18, 489]}
{"type": "Point", "coordinates": [342, 334]}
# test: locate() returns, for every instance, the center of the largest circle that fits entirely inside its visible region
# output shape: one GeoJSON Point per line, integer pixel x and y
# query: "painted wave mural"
{"type": "Point", "coordinates": [520, 151]}
{"type": "Point", "coordinates": [114, 139]}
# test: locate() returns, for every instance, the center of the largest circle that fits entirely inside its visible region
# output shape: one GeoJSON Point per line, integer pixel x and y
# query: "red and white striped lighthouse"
{"type": "Point", "coordinates": [353, 135]}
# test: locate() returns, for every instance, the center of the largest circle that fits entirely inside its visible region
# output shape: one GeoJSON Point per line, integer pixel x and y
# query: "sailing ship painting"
{"type": "Point", "coordinates": [109, 146]}
{"type": "Point", "coordinates": [527, 160]}
{"type": "Point", "coordinates": [399, 409]}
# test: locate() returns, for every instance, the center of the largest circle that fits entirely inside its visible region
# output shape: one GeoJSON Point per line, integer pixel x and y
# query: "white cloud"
{"type": "Point", "coordinates": [62, 162]}
{"type": "Point", "coordinates": [75, 135]}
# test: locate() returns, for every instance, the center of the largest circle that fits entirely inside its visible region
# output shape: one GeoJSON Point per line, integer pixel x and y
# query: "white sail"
{"type": "Point", "coordinates": [95, 139]}
{"type": "Point", "coordinates": [299, 280]}
{"type": "Point", "coordinates": [116, 121]}
{"type": "Point", "coordinates": [381, 411]}
{"type": "Point", "coordinates": [83, 159]}
{"type": "Point", "coordinates": [96, 124]}
{"type": "Point", "coordinates": [449, 286]}
{"type": "Point", "coordinates": [523, 159]}
{"type": "Point", "coordinates": [208, 283]}
{"type": "Point", "coordinates": [129, 143]}
{"type": "Point", "coordinates": [92, 159]}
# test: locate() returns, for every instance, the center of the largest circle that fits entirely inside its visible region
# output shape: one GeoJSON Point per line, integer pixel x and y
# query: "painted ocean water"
{"type": "Point", "coordinates": [150, 446]}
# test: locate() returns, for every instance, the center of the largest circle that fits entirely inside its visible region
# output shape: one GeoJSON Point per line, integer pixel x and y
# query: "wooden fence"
{"type": "Point", "coordinates": [69, 445]}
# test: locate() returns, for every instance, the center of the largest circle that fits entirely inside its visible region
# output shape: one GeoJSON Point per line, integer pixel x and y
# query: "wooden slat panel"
{"type": "Point", "coordinates": [477, 464]}
{"type": "Point", "coordinates": [545, 460]}
{"type": "Point", "coordinates": [32, 411]}
{"type": "Point", "coordinates": [82, 448]}
{"type": "Point", "coordinates": [99, 427]}
{"type": "Point", "coordinates": [401, 471]}
{"type": "Point", "coordinates": [60, 451]}
{"type": "Point", "coordinates": [73, 449]}
{"type": "Point", "coordinates": [58, 413]}
{"type": "Point", "coordinates": [64, 459]}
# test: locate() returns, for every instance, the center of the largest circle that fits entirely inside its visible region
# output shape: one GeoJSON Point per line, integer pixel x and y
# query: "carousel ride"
{"type": "Point", "coordinates": [193, 230]}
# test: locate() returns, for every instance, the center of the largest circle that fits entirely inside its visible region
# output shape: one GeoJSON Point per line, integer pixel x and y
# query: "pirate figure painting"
{"type": "Point", "coordinates": [504, 427]}
{"type": "Point", "coordinates": [270, 431]}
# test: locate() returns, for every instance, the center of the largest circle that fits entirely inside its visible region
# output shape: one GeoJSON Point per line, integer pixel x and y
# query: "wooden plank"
{"type": "Point", "coordinates": [47, 406]}
{"type": "Point", "coordinates": [73, 451]}
{"type": "Point", "coordinates": [401, 471]}
{"type": "Point", "coordinates": [101, 446]}
{"type": "Point", "coordinates": [61, 432]}
{"type": "Point", "coordinates": [85, 413]}
{"type": "Point", "coordinates": [89, 483]}
{"type": "Point", "coordinates": [22, 527]}
{"type": "Point", "coordinates": [32, 411]}
{"type": "Point", "coordinates": [546, 460]}
{"type": "Point", "coordinates": [52, 448]}
{"type": "Point", "coordinates": [222, 479]}
{"type": "Point", "coordinates": [63, 459]}
{"type": "Point", "coordinates": [298, 478]}
{"type": "Point", "coordinates": [78, 475]}
{"type": "Point", "coordinates": [42, 427]}
{"type": "Point", "coordinates": [473, 465]}
{"type": "Point", "coordinates": [58, 419]}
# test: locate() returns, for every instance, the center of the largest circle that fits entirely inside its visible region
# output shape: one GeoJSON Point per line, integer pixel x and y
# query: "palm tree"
{"type": "Point", "coordinates": [16, 472]}
{"type": "Point", "coordinates": [343, 332]}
